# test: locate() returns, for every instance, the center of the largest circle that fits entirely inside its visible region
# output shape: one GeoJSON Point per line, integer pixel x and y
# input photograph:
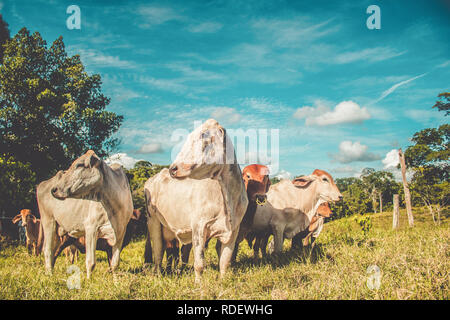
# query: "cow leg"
{"type": "Point", "coordinates": [238, 241]}
{"type": "Point", "coordinates": [256, 247]}
{"type": "Point", "coordinates": [176, 253]}
{"type": "Point", "coordinates": [49, 227]}
{"type": "Point", "coordinates": [218, 248]}
{"type": "Point", "coordinates": [227, 253]}
{"type": "Point", "coordinates": [198, 243]}
{"type": "Point", "coordinates": [263, 245]}
{"type": "Point", "coordinates": [74, 253]}
{"type": "Point", "coordinates": [67, 241]}
{"type": "Point", "coordinates": [297, 241]}
{"type": "Point", "coordinates": [91, 244]}
{"type": "Point", "coordinates": [108, 251]}
{"type": "Point", "coordinates": [185, 252]}
{"type": "Point", "coordinates": [29, 247]}
{"type": "Point", "coordinates": [154, 229]}
{"type": "Point", "coordinates": [277, 238]}
{"type": "Point", "coordinates": [148, 257]}
{"type": "Point", "coordinates": [115, 259]}
{"type": "Point", "coordinates": [170, 259]}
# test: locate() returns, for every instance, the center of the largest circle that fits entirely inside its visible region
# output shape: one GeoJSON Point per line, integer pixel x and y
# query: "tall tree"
{"type": "Point", "coordinates": [4, 36]}
{"type": "Point", "coordinates": [138, 176]}
{"type": "Point", "coordinates": [429, 157]}
{"type": "Point", "coordinates": [51, 110]}
{"type": "Point", "coordinates": [443, 104]}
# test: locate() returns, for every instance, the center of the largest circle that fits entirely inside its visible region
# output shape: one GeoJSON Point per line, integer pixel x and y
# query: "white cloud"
{"type": "Point", "coordinates": [344, 112]}
{"type": "Point", "coordinates": [371, 55]}
{"type": "Point", "coordinates": [390, 163]}
{"type": "Point", "coordinates": [391, 159]}
{"type": "Point", "coordinates": [348, 171]}
{"type": "Point", "coordinates": [95, 58]}
{"type": "Point", "coordinates": [283, 174]}
{"type": "Point", "coordinates": [154, 15]}
{"type": "Point", "coordinates": [150, 148]}
{"type": "Point", "coordinates": [263, 105]}
{"type": "Point", "coordinates": [206, 27]}
{"type": "Point", "coordinates": [293, 33]}
{"type": "Point", "coordinates": [194, 74]}
{"type": "Point", "coordinates": [226, 114]}
{"type": "Point", "coordinates": [122, 159]}
{"type": "Point", "coordinates": [423, 116]}
{"type": "Point", "coordinates": [353, 151]}
{"type": "Point", "coordinates": [172, 85]}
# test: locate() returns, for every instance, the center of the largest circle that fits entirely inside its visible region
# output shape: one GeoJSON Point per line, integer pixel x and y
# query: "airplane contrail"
{"type": "Point", "coordinates": [395, 86]}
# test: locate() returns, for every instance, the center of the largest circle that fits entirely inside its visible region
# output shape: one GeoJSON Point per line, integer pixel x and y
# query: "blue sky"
{"type": "Point", "coordinates": [342, 96]}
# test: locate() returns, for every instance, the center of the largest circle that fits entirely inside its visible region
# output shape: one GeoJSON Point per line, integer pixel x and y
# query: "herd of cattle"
{"type": "Point", "coordinates": [202, 195]}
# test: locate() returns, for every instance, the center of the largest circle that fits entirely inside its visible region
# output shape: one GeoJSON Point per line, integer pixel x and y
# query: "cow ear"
{"type": "Point", "coordinates": [17, 218]}
{"type": "Point", "coordinates": [268, 184]}
{"type": "Point", "coordinates": [303, 181]}
{"type": "Point", "coordinates": [92, 161]}
{"type": "Point", "coordinates": [222, 132]}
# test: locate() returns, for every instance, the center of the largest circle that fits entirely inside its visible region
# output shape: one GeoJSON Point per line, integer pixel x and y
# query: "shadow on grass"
{"type": "Point", "coordinates": [299, 255]}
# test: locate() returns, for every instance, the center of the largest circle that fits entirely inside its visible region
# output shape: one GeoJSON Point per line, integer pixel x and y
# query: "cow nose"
{"type": "Point", "coordinates": [173, 171]}
{"type": "Point", "coordinates": [341, 198]}
{"type": "Point", "coordinates": [54, 189]}
{"type": "Point", "coordinates": [261, 199]}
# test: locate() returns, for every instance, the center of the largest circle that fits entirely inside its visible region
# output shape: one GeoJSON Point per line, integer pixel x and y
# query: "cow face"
{"type": "Point", "coordinates": [85, 176]}
{"type": "Point", "coordinates": [26, 216]}
{"type": "Point", "coordinates": [324, 184]}
{"type": "Point", "coordinates": [324, 210]}
{"type": "Point", "coordinates": [257, 182]}
{"type": "Point", "coordinates": [203, 154]}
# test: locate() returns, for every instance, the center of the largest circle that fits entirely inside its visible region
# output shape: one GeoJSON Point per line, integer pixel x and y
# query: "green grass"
{"type": "Point", "coordinates": [414, 264]}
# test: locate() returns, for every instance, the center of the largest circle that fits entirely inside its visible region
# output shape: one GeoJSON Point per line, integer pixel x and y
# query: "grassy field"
{"type": "Point", "coordinates": [414, 264]}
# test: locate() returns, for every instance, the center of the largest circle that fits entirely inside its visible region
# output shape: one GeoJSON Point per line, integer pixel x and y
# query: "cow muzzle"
{"type": "Point", "coordinates": [261, 199]}
{"type": "Point", "coordinates": [181, 170]}
{"type": "Point", "coordinates": [58, 194]}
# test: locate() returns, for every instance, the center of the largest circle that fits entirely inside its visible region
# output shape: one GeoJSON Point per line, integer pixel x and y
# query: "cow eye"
{"type": "Point", "coordinates": [248, 176]}
{"type": "Point", "coordinates": [325, 179]}
{"type": "Point", "coordinates": [204, 135]}
{"type": "Point", "coordinates": [79, 165]}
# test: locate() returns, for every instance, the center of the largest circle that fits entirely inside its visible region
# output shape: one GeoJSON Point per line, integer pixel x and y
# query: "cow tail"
{"type": "Point", "coordinates": [147, 198]}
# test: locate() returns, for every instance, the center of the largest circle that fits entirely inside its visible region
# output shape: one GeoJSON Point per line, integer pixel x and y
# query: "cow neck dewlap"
{"type": "Point", "coordinates": [231, 179]}
{"type": "Point", "coordinates": [109, 193]}
{"type": "Point", "coordinates": [310, 200]}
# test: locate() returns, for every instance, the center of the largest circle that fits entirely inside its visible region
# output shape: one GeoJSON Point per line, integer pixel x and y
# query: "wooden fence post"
{"type": "Point", "coordinates": [396, 212]}
{"type": "Point", "coordinates": [406, 188]}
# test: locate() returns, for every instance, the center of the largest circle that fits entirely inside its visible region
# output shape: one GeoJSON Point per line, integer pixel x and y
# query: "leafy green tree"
{"type": "Point", "coordinates": [141, 172]}
{"type": "Point", "coordinates": [356, 199]}
{"type": "Point", "coordinates": [428, 157]}
{"type": "Point", "coordinates": [51, 110]}
{"type": "Point", "coordinates": [4, 36]}
{"type": "Point", "coordinates": [443, 105]}
{"type": "Point", "coordinates": [274, 180]}
{"type": "Point", "coordinates": [17, 183]}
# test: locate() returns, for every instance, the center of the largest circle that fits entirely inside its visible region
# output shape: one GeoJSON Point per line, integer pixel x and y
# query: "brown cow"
{"type": "Point", "coordinates": [315, 226]}
{"type": "Point", "coordinates": [292, 204]}
{"type": "Point", "coordinates": [32, 227]}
